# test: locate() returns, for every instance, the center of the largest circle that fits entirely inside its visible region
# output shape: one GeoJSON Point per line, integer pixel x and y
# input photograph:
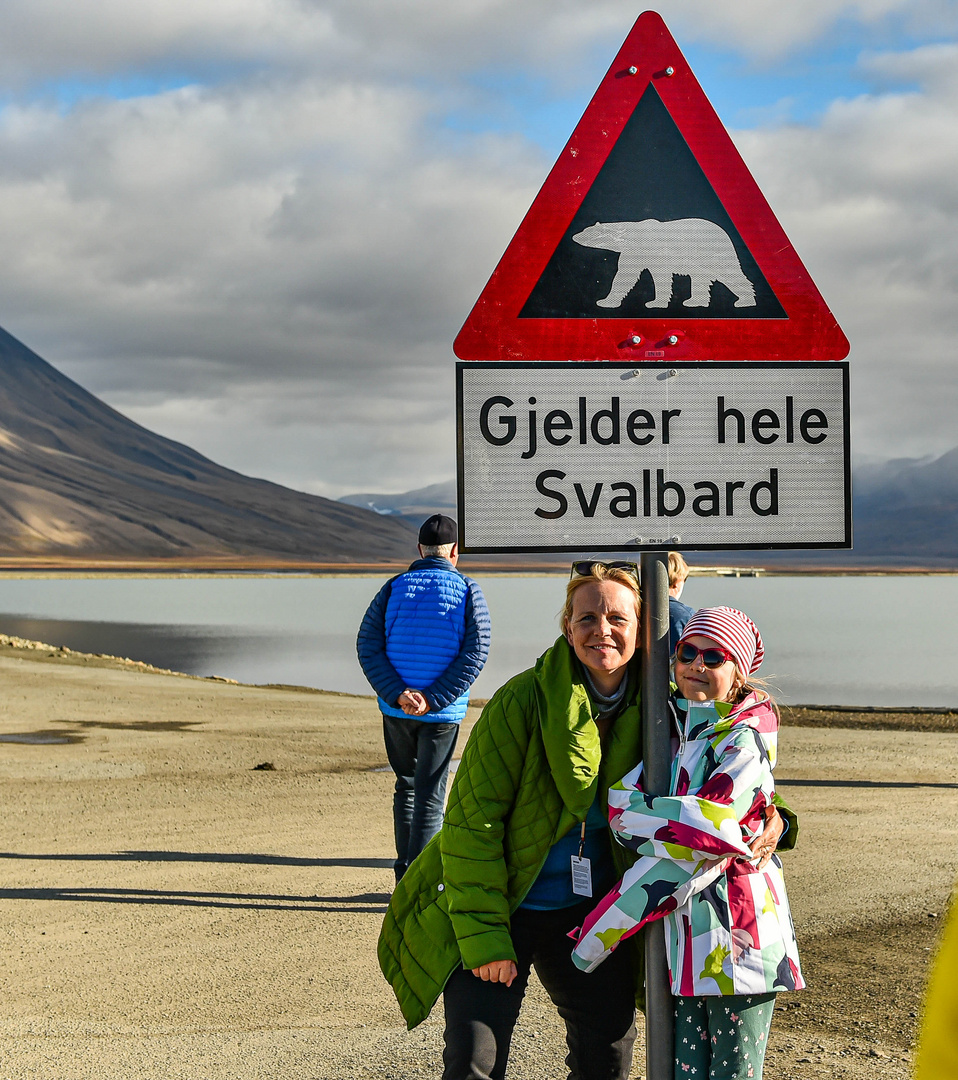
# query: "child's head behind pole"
{"type": "Point", "coordinates": [719, 649]}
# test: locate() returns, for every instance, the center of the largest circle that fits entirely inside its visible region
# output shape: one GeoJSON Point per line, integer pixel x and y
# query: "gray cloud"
{"type": "Point", "coordinates": [272, 266]}
{"type": "Point", "coordinates": [869, 200]}
{"type": "Point", "coordinates": [208, 260]}
{"type": "Point", "coordinates": [46, 39]}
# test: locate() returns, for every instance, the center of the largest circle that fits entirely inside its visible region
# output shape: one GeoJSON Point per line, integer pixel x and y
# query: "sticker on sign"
{"type": "Point", "coordinates": [606, 456]}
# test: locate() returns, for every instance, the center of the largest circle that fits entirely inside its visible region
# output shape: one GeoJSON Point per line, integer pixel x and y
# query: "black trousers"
{"type": "Point", "coordinates": [598, 1008]}
{"type": "Point", "coordinates": [419, 752]}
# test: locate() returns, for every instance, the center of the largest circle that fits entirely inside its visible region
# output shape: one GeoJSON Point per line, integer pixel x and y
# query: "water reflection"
{"type": "Point", "coordinates": [321, 660]}
{"type": "Point", "coordinates": [829, 640]}
{"type": "Point", "coordinates": [197, 650]}
{"type": "Point", "coordinates": [266, 630]}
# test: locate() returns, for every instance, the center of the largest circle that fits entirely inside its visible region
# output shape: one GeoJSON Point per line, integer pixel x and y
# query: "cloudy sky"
{"type": "Point", "coordinates": [256, 226]}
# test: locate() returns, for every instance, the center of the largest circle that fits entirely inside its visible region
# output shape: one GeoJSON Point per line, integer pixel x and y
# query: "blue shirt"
{"type": "Point", "coordinates": [552, 889]}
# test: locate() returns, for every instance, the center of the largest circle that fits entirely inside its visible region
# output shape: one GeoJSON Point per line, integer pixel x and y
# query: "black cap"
{"type": "Point", "coordinates": [438, 529]}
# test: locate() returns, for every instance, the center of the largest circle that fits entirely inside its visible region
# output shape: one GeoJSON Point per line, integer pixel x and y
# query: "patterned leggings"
{"type": "Point", "coordinates": [722, 1038]}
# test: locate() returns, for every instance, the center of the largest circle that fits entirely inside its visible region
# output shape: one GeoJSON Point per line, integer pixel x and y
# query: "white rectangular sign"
{"type": "Point", "coordinates": [610, 457]}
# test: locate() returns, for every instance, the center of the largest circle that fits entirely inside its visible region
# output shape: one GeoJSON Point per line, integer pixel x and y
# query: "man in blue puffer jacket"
{"type": "Point", "coordinates": [422, 642]}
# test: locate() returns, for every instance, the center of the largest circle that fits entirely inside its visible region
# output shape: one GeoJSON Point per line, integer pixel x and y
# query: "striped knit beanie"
{"type": "Point", "coordinates": [732, 629]}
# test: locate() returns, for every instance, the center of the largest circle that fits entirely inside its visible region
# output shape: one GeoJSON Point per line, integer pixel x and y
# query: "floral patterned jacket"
{"type": "Point", "coordinates": [729, 929]}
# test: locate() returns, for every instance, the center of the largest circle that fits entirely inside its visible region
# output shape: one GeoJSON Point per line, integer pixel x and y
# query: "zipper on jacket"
{"type": "Point", "coordinates": [683, 739]}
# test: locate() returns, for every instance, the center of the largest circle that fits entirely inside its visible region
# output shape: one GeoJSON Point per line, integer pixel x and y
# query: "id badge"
{"type": "Point", "coordinates": [581, 876]}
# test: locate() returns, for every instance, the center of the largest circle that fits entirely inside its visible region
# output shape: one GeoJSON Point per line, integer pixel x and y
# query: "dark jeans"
{"type": "Point", "coordinates": [598, 1008]}
{"type": "Point", "coordinates": [419, 753]}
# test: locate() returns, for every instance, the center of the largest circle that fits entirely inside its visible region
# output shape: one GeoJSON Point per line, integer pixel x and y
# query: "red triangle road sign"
{"type": "Point", "coordinates": [650, 240]}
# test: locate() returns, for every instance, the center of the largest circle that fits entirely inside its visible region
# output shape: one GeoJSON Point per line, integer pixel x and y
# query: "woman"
{"type": "Point", "coordinates": [494, 894]}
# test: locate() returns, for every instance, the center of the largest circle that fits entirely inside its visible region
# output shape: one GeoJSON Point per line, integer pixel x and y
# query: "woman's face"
{"type": "Point", "coordinates": [696, 682]}
{"type": "Point", "coordinates": [602, 631]}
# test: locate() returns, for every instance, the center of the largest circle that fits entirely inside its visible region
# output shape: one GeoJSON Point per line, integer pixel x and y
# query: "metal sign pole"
{"type": "Point", "coordinates": [656, 757]}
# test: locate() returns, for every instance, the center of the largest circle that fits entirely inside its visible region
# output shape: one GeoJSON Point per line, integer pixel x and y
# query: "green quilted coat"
{"type": "Point", "coordinates": [529, 773]}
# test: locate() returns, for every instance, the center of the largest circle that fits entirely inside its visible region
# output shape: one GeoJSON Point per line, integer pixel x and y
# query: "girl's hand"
{"type": "Point", "coordinates": [764, 845]}
{"type": "Point", "coordinates": [501, 971]}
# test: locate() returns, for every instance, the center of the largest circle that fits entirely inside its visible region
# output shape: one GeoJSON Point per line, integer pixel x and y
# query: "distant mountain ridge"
{"type": "Point", "coordinates": [77, 478]}
{"type": "Point", "coordinates": [411, 506]}
{"type": "Point", "coordinates": [905, 513]}
{"type": "Point", "coordinates": [909, 505]}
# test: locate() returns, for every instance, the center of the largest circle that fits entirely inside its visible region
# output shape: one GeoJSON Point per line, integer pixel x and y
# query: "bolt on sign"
{"type": "Point", "coordinates": [604, 456]}
{"type": "Point", "coordinates": [650, 239]}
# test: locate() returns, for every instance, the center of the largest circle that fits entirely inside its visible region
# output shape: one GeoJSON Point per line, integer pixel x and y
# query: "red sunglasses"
{"type": "Point", "coordinates": [712, 657]}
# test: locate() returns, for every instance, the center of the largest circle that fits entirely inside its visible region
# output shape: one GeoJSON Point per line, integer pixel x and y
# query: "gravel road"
{"type": "Point", "coordinates": [169, 910]}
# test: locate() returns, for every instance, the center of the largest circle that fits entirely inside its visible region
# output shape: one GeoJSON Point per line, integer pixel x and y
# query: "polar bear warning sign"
{"type": "Point", "coordinates": [649, 239]}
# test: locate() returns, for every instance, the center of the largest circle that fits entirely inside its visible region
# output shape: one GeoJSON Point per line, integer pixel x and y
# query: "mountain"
{"type": "Point", "coordinates": [905, 514]}
{"type": "Point", "coordinates": [77, 478]}
{"type": "Point", "coordinates": [908, 506]}
{"type": "Point", "coordinates": [412, 506]}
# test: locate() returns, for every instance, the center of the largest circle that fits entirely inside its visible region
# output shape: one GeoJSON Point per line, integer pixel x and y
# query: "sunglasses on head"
{"type": "Point", "coordinates": [584, 569]}
{"type": "Point", "coordinates": [712, 657]}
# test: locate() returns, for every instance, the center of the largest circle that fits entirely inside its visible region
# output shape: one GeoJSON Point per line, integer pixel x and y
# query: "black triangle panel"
{"type": "Point", "coordinates": [652, 235]}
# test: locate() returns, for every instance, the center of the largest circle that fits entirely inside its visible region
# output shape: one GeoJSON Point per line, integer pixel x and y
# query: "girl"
{"type": "Point", "coordinates": [730, 941]}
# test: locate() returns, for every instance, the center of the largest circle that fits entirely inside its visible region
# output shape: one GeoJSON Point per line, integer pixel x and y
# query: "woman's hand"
{"type": "Point", "coordinates": [501, 971]}
{"type": "Point", "coordinates": [764, 845]}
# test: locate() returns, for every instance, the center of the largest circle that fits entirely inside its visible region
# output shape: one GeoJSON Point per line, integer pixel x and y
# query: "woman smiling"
{"type": "Point", "coordinates": [601, 623]}
{"type": "Point", "coordinates": [525, 848]}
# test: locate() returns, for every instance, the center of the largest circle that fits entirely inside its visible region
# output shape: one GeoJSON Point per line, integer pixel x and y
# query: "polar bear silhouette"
{"type": "Point", "coordinates": [694, 247]}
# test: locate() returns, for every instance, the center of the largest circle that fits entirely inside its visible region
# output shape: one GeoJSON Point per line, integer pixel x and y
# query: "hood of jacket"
{"type": "Point", "coordinates": [569, 735]}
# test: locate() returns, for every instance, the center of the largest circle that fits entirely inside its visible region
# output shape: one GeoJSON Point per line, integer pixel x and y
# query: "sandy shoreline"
{"type": "Point", "coordinates": [170, 910]}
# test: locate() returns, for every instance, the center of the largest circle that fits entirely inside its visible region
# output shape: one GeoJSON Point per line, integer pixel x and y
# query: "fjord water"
{"type": "Point", "coordinates": [857, 640]}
